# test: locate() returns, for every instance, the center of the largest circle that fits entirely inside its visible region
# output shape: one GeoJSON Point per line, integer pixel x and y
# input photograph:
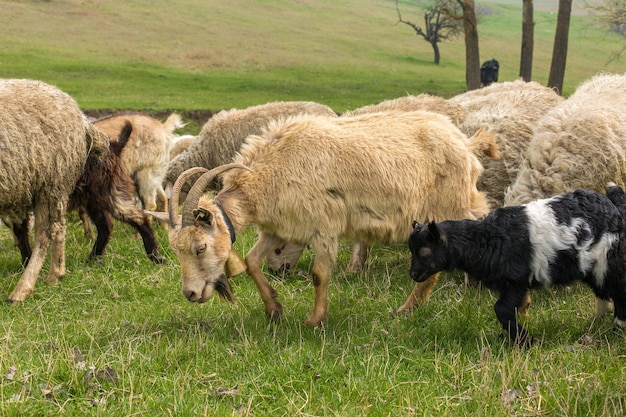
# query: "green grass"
{"type": "Point", "coordinates": [117, 337]}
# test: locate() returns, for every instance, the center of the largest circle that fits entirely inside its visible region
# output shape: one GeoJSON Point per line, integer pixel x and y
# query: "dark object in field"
{"type": "Point", "coordinates": [489, 72]}
{"type": "Point", "coordinates": [578, 236]}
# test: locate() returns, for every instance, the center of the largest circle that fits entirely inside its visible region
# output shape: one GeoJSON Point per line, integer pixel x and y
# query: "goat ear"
{"type": "Point", "coordinates": [203, 215]}
{"type": "Point", "coordinates": [234, 264]}
{"type": "Point", "coordinates": [436, 232]}
{"type": "Point", "coordinates": [159, 215]}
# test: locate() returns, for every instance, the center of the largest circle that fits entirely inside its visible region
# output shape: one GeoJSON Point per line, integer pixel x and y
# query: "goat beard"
{"type": "Point", "coordinates": [223, 288]}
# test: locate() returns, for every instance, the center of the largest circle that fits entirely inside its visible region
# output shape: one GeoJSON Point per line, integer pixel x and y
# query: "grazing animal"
{"type": "Point", "coordinates": [105, 192]}
{"type": "Point", "coordinates": [312, 179]}
{"type": "Point", "coordinates": [577, 144]}
{"type": "Point", "coordinates": [44, 143]}
{"type": "Point", "coordinates": [223, 134]}
{"type": "Point", "coordinates": [180, 145]}
{"type": "Point", "coordinates": [507, 110]}
{"type": "Point", "coordinates": [577, 236]}
{"type": "Point", "coordinates": [147, 153]}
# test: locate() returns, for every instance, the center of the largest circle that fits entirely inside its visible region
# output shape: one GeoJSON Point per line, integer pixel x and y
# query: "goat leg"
{"type": "Point", "coordinates": [509, 303]}
{"type": "Point", "coordinates": [325, 258]}
{"type": "Point", "coordinates": [104, 226]}
{"type": "Point", "coordinates": [419, 295]}
{"type": "Point", "coordinates": [254, 258]}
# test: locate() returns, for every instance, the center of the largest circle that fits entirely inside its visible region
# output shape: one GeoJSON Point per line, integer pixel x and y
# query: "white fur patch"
{"type": "Point", "coordinates": [547, 237]}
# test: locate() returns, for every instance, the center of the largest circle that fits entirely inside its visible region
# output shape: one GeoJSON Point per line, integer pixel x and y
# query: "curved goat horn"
{"type": "Point", "coordinates": [191, 203]}
{"type": "Point", "coordinates": [178, 185]}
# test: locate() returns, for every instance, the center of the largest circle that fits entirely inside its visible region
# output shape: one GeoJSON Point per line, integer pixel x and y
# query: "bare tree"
{"type": "Point", "coordinates": [438, 25]}
{"type": "Point", "coordinates": [528, 39]}
{"type": "Point", "coordinates": [559, 51]}
{"type": "Point", "coordinates": [610, 13]}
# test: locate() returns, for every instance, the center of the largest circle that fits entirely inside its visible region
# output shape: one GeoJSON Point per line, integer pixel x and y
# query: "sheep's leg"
{"type": "Point", "coordinates": [104, 226]}
{"type": "Point", "coordinates": [360, 253]}
{"type": "Point", "coordinates": [419, 295]}
{"type": "Point", "coordinates": [506, 307]}
{"type": "Point", "coordinates": [26, 284]}
{"type": "Point", "coordinates": [57, 252]}
{"type": "Point", "coordinates": [254, 258]}
{"type": "Point", "coordinates": [162, 205]}
{"type": "Point", "coordinates": [20, 233]}
{"type": "Point", "coordinates": [325, 258]}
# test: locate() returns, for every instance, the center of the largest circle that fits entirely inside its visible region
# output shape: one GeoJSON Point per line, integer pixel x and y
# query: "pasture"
{"type": "Point", "coordinates": [117, 337]}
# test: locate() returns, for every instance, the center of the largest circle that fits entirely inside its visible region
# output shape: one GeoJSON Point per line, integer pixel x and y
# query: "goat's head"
{"type": "Point", "coordinates": [202, 239]}
{"type": "Point", "coordinates": [429, 254]}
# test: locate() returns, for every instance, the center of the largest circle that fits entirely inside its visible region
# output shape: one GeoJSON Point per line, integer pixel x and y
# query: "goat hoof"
{"type": "Point", "coordinates": [274, 313]}
{"type": "Point", "coordinates": [159, 260]}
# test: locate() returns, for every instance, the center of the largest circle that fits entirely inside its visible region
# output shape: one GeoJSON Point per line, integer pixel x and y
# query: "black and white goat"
{"type": "Point", "coordinates": [578, 236]}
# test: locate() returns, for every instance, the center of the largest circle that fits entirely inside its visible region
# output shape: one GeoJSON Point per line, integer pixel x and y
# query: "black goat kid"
{"type": "Point", "coordinates": [578, 236]}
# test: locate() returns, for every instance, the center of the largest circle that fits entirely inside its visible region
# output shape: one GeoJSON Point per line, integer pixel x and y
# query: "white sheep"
{"type": "Point", "coordinates": [44, 143]}
{"type": "Point", "coordinates": [578, 144]}
{"type": "Point", "coordinates": [311, 179]}
{"type": "Point", "coordinates": [222, 135]}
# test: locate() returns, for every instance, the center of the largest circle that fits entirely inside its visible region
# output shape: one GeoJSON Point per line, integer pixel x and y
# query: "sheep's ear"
{"type": "Point", "coordinates": [416, 226]}
{"type": "Point", "coordinates": [436, 233]}
{"type": "Point", "coordinates": [203, 215]}
{"type": "Point", "coordinates": [234, 264]}
{"type": "Point", "coordinates": [159, 215]}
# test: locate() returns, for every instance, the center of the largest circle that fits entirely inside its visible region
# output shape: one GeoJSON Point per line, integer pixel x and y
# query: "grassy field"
{"type": "Point", "coordinates": [117, 337]}
{"type": "Point", "coordinates": [199, 54]}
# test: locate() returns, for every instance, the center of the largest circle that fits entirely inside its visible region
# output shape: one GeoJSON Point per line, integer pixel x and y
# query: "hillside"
{"type": "Point", "coordinates": [213, 54]}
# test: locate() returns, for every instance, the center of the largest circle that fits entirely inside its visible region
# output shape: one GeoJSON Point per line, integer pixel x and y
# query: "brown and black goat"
{"type": "Point", "coordinates": [103, 192]}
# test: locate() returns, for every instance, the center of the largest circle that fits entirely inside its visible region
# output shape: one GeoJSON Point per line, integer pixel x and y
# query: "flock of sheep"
{"type": "Point", "coordinates": [302, 174]}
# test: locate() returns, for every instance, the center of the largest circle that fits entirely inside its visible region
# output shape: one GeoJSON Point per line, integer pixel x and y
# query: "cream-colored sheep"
{"type": "Point", "coordinates": [222, 135]}
{"type": "Point", "coordinates": [44, 143]}
{"type": "Point", "coordinates": [578, 144]}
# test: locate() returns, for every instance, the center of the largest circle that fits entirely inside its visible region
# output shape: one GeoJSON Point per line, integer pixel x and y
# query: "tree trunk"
{"type": "Point", "coordinates": [559, 53]}
{"type": "Point", "coordinates": [472, 56]}
{"type": "Point", "coordinates": [436, 52]}
{"type": "Point", "coordinates": [528, 37]}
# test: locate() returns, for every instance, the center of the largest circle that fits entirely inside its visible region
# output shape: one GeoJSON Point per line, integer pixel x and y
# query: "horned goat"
{"type": "Point", "coordinates": [311, 179]}
{"type": "Point", "coordinates": [577, 236]}
{"type": "Point", "coordinates": [45, 140]}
